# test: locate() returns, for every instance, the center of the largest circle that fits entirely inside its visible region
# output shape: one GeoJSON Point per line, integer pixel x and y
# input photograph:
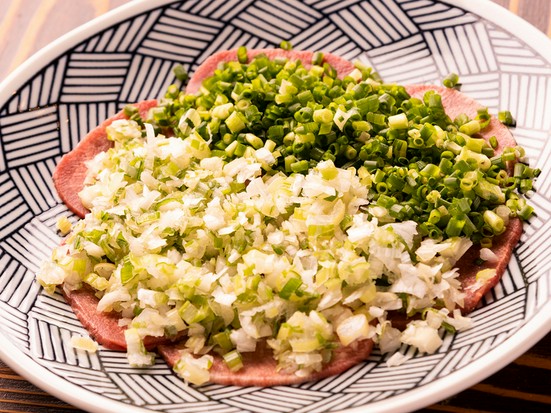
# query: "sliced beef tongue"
{"type": "Point", "coordinates": [260, 367]}
{"type": "Point", "coordinates": [70, 173]}
{"type": "Point", "coordinates": [207, 68]}
{"type": "Point", "coordinates": [456, 103]}
{"type": "Point", "coordinates": [469, 267]}
{"type": "Point", "coordinates": [502, 247]}
{"type": "Point", "coordinates": [103, 327]}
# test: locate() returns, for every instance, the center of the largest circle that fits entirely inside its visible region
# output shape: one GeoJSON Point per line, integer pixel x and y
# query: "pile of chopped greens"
{"type": "Point", "coordinates": [424, 166]}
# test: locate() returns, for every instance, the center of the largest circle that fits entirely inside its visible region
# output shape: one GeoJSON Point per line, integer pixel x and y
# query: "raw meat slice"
{"type": "Point", "coordinates": [207, 68]}
{"type": "Point", "coordinates": [260, 368]}
{"type": "Point", "coordinates": [70, 173]}
{"type": "Point", "coordinates": [456, 103]}
{"type": "Point", "coordinates": [103, 327]}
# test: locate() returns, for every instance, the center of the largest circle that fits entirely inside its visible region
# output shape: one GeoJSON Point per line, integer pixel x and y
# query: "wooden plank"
{"type": "Point", "coordinates": [33, 24]}
{"type": "Point", "coordinates": [513, 387]}
{"type": "Point", "coordinates": [537, 12]}
{"type": "Point", "coordinates": [503, 3]}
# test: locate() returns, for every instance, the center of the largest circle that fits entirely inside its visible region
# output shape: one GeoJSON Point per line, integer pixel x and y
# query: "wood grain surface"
{"type": "Point", "coordinates": [28, 25]}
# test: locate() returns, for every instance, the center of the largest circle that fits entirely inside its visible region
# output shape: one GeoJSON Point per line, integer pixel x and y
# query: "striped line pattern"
{"type": "Point", "coordinates": [14, 211]}
{"type": "Point", "coordinates": [406, 41]}
{"type": "Point", "coordinates": [94, 77]}
{"type": "Point", "coordinates": [77, 119]}
{"type": "Point", "coordinates": [179, 36]}
{"type": "Point", "coordinates": [36, 128]}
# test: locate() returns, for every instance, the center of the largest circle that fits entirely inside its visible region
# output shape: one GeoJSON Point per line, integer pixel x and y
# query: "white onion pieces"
{"type": "Point", "coordinates": [192, 243]}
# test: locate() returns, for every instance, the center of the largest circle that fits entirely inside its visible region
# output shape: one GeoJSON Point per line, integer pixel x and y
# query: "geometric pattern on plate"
{"type": "Point", "coordinates": [406, 41]}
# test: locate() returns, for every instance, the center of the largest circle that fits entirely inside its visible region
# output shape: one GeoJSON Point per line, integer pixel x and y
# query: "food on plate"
{"type": "Point", "coordinates": [287, 211]}
{"type": "Point", "coordinates": [260, 368]}
{"type": "Point", "coordinates": [70, 173]}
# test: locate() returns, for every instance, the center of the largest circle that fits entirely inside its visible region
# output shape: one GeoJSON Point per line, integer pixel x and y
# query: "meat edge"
{"type": "Point", "coordinates": [260, 368]}
{"type": "Point", "coordinates": [70, 172]}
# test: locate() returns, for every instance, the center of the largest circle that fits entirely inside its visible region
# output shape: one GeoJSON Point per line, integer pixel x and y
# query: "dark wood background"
{"type": "Point", "coordinates": [28, 25]}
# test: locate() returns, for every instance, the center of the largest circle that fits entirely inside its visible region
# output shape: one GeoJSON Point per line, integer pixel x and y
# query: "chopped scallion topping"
{"type": "Point", "coordinates": [451, 80]}
{"type": "Point", "coordinates": [506, 118]}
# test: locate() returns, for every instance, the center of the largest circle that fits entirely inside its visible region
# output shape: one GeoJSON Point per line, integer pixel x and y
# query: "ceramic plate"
{"type": "Point", "coordinates": [127, 56]}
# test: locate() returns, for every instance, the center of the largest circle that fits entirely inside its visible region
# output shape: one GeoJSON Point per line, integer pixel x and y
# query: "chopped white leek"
{"type": "Point", "coordinates": [181, 241]}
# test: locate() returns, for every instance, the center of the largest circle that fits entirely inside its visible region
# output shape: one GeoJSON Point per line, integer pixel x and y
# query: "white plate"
{"type": "Point", "coordinates": [127, 55]}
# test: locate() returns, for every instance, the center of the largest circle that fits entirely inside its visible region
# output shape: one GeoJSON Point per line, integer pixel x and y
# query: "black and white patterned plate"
{"type": "Point", "coordinates": [127, 56]}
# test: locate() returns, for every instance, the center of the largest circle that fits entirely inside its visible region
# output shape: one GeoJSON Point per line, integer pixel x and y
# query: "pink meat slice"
{"type": "Point", "coordinates": [103, 327]}
{"type": "Point", "coordinates": [456, 103]}
{"type": "Point", "coordinates": [502, 247]}
{"type": "Point", "coordinates": [70, 173]}
{"type": "Point", "coordinates": [207, 68]}
{"type": "Point", "coordinates": [474, 289]}
{"type": "Point", "coordinates": [260, 368]}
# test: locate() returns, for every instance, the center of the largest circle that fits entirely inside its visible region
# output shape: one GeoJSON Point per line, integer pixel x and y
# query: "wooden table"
{"type": "Point", "coordinates": [522, 386]}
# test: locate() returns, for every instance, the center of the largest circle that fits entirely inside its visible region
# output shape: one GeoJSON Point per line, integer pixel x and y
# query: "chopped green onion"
{"type": "Point", "coordinates": [235, 122]}
{"type": "Point", "coordinates": [130, 110]}
{"type": "Point", "coordinates": [506, 118]}
{"type": "Point", "coordinates": [233, 360]}
{"type": "Point", "coordinates": [285, 45]}
{"type": "Point", "coordinates": [526, 212]}
{"type": "Point", "coordinates": [180, 73]}
{"type": "Point", "coordinates": [399, 121]}
{"type": "Point", "coordinates": [290, 287]}
{"type": "Point", "coordinates": [451, 80]}
{"type": "Point", "coordinates": [470, 128]}
{"type": "Point", "coordinates": [317, 58]}
{"type": "Point", "coordinates": [312, 116]}
{"type": "Point", "coordinates": [242, 54]}
{"type": "Point", "coordinates": [494, 221]}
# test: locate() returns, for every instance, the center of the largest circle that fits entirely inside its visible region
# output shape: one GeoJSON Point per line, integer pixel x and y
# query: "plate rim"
{"type": "Point", "coordinates": [528, 334]}
{"type": "Point", "coordinates": [17, 78]}
{"type": "Point", "coordinates": [507, 351]}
